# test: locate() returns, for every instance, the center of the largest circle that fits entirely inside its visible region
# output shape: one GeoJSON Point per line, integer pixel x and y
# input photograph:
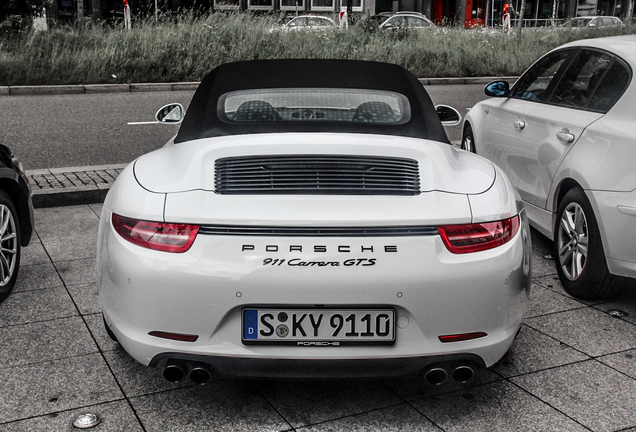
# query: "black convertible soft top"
{"type": "Point", "coordinates": [202, 119]}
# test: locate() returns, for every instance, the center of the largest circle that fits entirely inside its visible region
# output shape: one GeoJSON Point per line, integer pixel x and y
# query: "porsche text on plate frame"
{"type": "Point", "coordinates": [300, 226]}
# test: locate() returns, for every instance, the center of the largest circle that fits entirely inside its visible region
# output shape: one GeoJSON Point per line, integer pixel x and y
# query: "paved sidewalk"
{"type": "Point", "coordinates": [572, 367]}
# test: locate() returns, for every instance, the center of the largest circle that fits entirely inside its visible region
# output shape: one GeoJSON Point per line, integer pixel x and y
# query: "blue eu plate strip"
{"type": "Point", "coordinates": [250, 324]}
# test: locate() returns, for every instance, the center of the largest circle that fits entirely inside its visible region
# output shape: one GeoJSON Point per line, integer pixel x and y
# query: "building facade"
{"type": "Point", "coordinates": [465, 13]}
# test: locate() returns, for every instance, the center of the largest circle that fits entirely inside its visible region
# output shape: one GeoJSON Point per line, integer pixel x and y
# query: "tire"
{"type": "Point", "coordinates": [578, 249]}
{"type": "Point", "coordinates": [468, 140]}
{"type": "Point", "coordinates": [10, 251]}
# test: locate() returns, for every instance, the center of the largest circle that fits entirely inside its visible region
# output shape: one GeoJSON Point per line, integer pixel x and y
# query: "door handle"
{"type": "Point", "coordinates": [565, 136]}
{"type": "Point", "coordinates": [519, 124]}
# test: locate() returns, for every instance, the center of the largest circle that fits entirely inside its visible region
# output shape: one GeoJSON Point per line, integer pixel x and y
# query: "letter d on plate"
{"type": "Point", "coordinates": [250, 324]}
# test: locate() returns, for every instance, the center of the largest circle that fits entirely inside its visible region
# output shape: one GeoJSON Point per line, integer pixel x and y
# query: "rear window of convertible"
{"type": "Point", "coordinates": [314, 105]}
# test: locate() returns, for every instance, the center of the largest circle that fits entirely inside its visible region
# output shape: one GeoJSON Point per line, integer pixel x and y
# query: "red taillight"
{"type": "Point", "coordinates": [460, 239]}
{"type": "Point", "coordinates": [174, 336]}
{"type": "Point", "coordinates": [165, 237]}
{"type": "Point", "coordinates": [462, 337]}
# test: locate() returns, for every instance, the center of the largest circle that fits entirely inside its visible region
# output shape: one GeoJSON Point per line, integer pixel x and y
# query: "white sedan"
{"type": "Point", "coordinates": [310, 22]}
{"type": "Point", "coordinates": [299, 225]}
{"type": "Point", "coordinates": [565, 134]}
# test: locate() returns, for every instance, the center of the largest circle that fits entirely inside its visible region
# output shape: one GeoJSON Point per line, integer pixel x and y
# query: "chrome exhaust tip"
{"type": "Point", "coordinates": [462, 374]}
{"type": "Point", "coordinates": [200, 374]}
{"type": "Point", "coordinates": [436, 376]}
{"type": "Point", "coordinates": [174, 371]}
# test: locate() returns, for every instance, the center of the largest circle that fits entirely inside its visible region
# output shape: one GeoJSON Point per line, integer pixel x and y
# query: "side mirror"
{"type": "Point", "coordinates": [170, 114]}
{"type": "Point", "coordinates": [448, 115]}
{"type": "Point", "coordinates": [497, 89]}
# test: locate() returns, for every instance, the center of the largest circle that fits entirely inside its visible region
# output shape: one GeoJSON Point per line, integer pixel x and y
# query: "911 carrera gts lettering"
{"type": "Point", "coordinates": [321, 248]}
{"type": "Point", "coordinates": [297, 262]}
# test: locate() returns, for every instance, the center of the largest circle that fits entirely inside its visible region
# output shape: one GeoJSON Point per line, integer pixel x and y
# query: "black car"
{"type": "Point", "coordinates": [16, 218]}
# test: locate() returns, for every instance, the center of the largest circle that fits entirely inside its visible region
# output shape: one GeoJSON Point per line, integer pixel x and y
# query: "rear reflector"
{"type": "Point", "coordinates": [161, 236]}
{"type": "Point", "coordinates": [462, 337]}
{"type": "Point", "coordinates": [461, 239]}
{"type": "Point", "coordinates": [174, 336]}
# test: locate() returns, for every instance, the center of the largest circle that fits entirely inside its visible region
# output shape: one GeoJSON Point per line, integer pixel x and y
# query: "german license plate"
{"type": "Point", "coordinates": [318, 327]}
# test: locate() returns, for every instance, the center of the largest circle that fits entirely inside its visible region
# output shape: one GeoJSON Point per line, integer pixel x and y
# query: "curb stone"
{"type": "Point", "coordinates": [58, 187]}
{"type": "Point", "coordinates": [185, 86]}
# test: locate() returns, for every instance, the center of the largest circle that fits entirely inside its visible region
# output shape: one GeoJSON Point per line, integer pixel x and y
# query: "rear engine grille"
{"type": "Point", "coordinates": [325, 175]}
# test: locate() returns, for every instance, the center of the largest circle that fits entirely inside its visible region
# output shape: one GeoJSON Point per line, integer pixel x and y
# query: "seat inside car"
{"type": "Point", "coordinates": [376, 112]}
{"type": "Point", "coordinates": [256, 111]}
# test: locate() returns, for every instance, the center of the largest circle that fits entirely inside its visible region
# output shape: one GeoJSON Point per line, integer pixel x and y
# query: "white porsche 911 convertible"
{"type": "Point", "coordinates": [310, 218]}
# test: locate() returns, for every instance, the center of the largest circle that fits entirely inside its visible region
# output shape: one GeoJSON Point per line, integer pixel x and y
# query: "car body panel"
{"type": "Point", "coordinates": [179, 168]}
{"type": "Point", "coordinates": [535, 152]}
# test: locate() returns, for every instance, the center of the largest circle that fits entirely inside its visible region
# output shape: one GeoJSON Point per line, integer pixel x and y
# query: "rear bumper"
{"type": "Point", "coordinates": [334, 368]}
{"type": "Point", "coordinates": [203, 291]}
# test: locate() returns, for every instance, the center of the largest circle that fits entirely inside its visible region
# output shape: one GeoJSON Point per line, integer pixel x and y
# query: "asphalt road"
{"type": "Point", "coordinates": [91, 129]}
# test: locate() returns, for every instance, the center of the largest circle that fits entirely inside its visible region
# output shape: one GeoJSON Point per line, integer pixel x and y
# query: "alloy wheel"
{"type": "Point", "coordinates": [8, 245]}
{"type": "Point", "coordinates": [573, 241]}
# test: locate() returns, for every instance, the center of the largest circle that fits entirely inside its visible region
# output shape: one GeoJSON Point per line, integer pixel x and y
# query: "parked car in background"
{"type": "Point", "coordinates": [410, 20]}
{"type": "Point", "coordinates": [565, 134]}
{"type": "Point", "coordinates": [16, 218]}
{"type": "Point", "coordinates": [593, 21]}
{"type": "Point", "coordinates": [310, 22]}
{"type": "Point", "coordinates": [379, 18]}
{"type": "Point", "coordinates": [301, 225]}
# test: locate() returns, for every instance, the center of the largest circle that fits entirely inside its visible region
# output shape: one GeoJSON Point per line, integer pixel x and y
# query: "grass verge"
{"type": "Point", "coordinates": [186, 48]}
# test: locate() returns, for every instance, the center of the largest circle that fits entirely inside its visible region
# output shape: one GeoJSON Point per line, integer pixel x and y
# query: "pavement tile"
{"type": "Point", "coordinates": [410, 388]}
{"type": "Point", "coordinates": [327, 400]}
{"type": "Point", "coordinates": [80, 272]}
{"type": "Point", "coordinates": [541, 250]}
{"type": "Point", "coordinates": [97, 209]}
{"type": "Point", "coordinates": [500, 406]}
{"type": "Point", "coordinates": [544, 301]}
{"type": "Point", "coordinates": [136, 379]}
{"type": "Point", "coordinates": [540, 265]}
{"type": "Point", "coordinates": [34, 253]}
{"type": "Point", "coordinates": [550, 282]}
{"type": "Point", "coordinates": [43, 341]}
{"type": "Point", "coordinates": [37, 276]}
{"type": "Point", "coordinates": [231, 406]}
{"type": "Point", "coordinates": [553, 283]}
{"type": "Point", "coordinates": [95, 323]}
{"type": "Point", "coordinates": [403, 418]}
{"type": "Point", "coordinates": [53, 386]}
{"type": "Point", "coordinates": [591, 393]}
{"type": "Point", "coordinates": [67, 233]}
{"type": "Point", "coordinates": [532, 351]}
{"type": "Point", "coordinates": [114, 416]}
{"type": "Point", "coordinates": [80, 278]}
{"type": "Point", "coordinates": [33, 306]}
{"type": "Point", "coordinates": [588, 330]}
{"type": "Point", "coordinates": [75, 245]}
{"type": "Point", "coordinates": [626, 306]}
{"type": "Point", "coordinates": [624, 362]}
{"type": "Point", "coordinates": [86, 299]}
